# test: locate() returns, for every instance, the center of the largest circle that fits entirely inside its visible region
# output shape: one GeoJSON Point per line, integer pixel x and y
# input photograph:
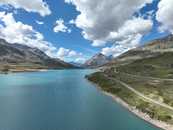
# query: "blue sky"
{"type": "Point", "coordinates": [90, 32]}
{"type": "Point", "coordinates": [154, 34]}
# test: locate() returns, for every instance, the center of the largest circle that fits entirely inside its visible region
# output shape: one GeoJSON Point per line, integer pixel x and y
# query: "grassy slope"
{"type": "Point", "coordinates": [154, 111]}
{"type": "Point", "coordinates": [160, 90]}
{"type": "Point", "coordinates": [160, 66]}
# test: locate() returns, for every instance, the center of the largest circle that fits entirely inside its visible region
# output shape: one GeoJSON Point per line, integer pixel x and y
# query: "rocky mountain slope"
{"type": "Point", "coordinates": [78, 65]}
{"type": "Point", "coordinates": [21, 57]}
{"type": "Point", "coordinates": [152, 49]}
{"type": "Point", "coordinates": [96, 61]}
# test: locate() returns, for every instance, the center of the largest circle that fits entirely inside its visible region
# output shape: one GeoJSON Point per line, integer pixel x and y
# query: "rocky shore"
{"type": "Point", "coordinates": [144, 116]}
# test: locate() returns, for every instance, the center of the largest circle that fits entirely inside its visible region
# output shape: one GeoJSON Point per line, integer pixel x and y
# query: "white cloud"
{"type": "Point", "coordinates": [80, 60]}
{"type": "Point", "coordinates": [38, 6]}
{"type": "Point", "coordinates": [68, 1]}
{"type": "Point", "coordinates": [72, 21]}
{"type": "Point", "coordinates": [128, 36]}
{"type": "Point", "coordinates": [123, 45]}
{"type": "Point", "coordinates": [64, 53]}
{"type": "Point", "coordinates": [61, 27]}
{"type": "Point", "coordinates": [112, 21]}
{"type": "Point", "coordinates": [165, 15]}
{"type": "Point", "coordinates": [98, 18]}
{"type": "Point", "coordinates": [98, 43]}
{"type": "Point", "coordinates": [131, 27]}
{"type": "Point", "coordinates": [17, 32]}
{"type": "Point", "coordinates": [39, 22]}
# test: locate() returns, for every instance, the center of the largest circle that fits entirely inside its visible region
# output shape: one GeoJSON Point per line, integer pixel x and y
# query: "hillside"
{"type": "Point", "coordinates": [18, 57]}
{"type": "Point", "coordinates": [143, 78]}
{"type": "Point", "coordinates": [153, 59]}
{"type": "Point", "coordinates": [152, 49]}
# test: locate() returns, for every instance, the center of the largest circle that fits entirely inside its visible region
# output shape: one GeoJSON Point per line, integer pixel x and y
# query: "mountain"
{"type": "Point", "coordinates": [143, 73]}
{"type": "Point", "coordinates": [152, 49]}
{"type": "Point", "coordinates": [20, 57]}
{"type": "Point", "coordinates": [78, 65]}
{"type": "Point", "coordinates": [96, 61]}
{"type": "Point", "coordinates": [154, 59]}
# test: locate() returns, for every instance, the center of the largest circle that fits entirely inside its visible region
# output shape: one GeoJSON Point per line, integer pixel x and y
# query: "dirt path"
{"type": "Point", "coordinates": [142, 95]}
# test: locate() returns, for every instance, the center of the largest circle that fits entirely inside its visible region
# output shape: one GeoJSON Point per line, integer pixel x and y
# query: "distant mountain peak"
{"type": "Point", "coordinates": [97, 60]}
{"type": "Point", "coordinates": [75, 64]}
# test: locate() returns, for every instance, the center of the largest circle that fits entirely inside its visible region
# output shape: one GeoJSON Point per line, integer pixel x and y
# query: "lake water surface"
{"type": "Point", "coordinates": [60, 100]}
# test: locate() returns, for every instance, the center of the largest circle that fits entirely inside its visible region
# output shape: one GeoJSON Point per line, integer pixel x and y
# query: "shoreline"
{"type": "Point", "coordinates": [24, 70]}
{"type": "Point", "coordinates": [159, 124]}
{"type": "Point", "coordinates": [31, 70]}
{"type": "Point", "coordinates": [138, 113]}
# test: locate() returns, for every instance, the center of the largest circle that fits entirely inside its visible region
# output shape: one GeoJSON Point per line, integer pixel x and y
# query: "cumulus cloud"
{"type": "Point", "coordinates": [132, 27]}
{"type": "Point", "coordinates": [61, 27]}
{"type": "Point", "coordinates": [64, 53]}
{"type": "Point", "coordinates": [128, 36]}
{"type": "Point", "coordinates": [98, 18]}
{"type": "Point", "coordinates": [112, 21]}
{"type": "Point", "coordinates": [123, 45]}
{"type": "Point", "coordinates": [38, 6]}
{"type": "Point", "coordinates": [165, 15]}
{"type": "Point", "coordinates": [17, 32]}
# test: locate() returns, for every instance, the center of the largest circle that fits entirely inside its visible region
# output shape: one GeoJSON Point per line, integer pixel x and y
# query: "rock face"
{"type": "Point", "coordinates": [16, 55]}
{"type": "Point", "coordinates": [96, 61]}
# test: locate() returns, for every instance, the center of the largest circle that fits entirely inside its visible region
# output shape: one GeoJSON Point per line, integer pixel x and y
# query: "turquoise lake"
{"type": "Point", "coordinates": [60, 100]}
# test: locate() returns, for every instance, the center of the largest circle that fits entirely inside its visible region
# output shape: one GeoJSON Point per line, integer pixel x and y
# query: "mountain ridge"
{"type": "Point", "coordinates": [21, 57]}
{"type": "Point", "coordinates": [151, 49]}
{"type": "Point", "coordinates": [96, 61]}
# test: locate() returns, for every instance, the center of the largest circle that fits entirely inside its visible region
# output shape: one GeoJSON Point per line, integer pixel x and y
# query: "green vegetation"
{"type": "Point", "coordinates": [113, 87]}
{"type": "Point", "coordinates": [143, 78]}
{"type": "Point", "coordinates": [5, 69]}
{"type": "Point", "coordinates": [160, 66]}
{"type": "Point", "coordinates": [160, 90]}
